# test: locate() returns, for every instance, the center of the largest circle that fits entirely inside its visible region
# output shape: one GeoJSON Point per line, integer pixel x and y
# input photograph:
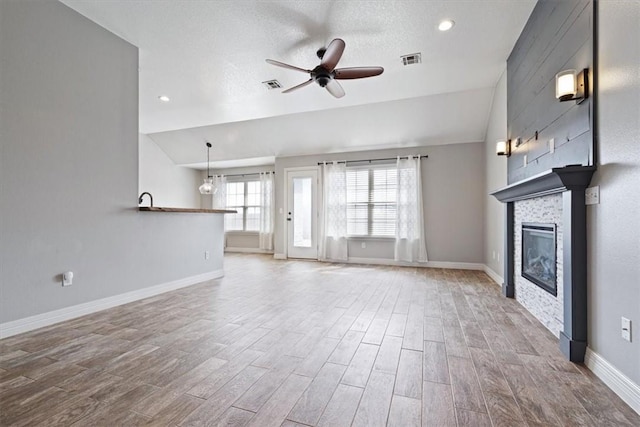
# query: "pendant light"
{"type": "Point", "coordinates": [207, 187]}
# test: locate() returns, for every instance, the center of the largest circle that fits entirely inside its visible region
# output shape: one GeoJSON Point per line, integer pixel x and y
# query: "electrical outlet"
{"type": "Point", "coordinates": [626, 329]}
{"type": "Point", "coordinates": [552, 145]}
{"type": "Point", "coordinates": [363, 245]}
{"type": "Point", "coordinates": [67, 278]}
{"type": "Point", "coordinates": [498, 256]}
{"type": "Point", "coordinates": [206, 254]}
{"type": "Point", "coordinates": [592, 195]}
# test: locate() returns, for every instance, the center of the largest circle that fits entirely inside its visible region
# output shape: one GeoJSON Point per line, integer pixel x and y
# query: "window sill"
{"type": "Point", "coordinates": [382, 238]}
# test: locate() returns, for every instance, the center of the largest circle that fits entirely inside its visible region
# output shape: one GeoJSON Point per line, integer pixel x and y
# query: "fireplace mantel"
{"type": "Point", "coordinates": [572, 182]}
{"type": "Point", "coordinates": [555, 180]}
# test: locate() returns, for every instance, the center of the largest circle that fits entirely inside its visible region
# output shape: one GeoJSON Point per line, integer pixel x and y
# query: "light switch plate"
{"type": "Point", "coordinates": [592, 195]}
{"type": "Point", "coordinates": [525, 160]}
{"type": "Point", "coordinates": [552, 145]}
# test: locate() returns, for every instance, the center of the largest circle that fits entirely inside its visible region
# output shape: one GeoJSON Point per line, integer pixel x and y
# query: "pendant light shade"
{"type": "Point", "coordinates": [207, 186]}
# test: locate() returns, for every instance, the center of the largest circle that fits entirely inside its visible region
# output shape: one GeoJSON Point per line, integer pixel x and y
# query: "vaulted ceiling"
{"type": "Point", "coordinates": [208, 57]}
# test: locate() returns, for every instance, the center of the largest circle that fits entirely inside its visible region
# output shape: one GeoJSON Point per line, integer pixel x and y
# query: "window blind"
{"type": "Point", "coordinates": [244, 197]}
{"type": "Point", "coordinates": [371, 201]}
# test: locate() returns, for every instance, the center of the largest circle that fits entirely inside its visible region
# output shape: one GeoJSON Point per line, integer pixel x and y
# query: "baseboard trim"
{"type": "Point", "coordinates": [494, 276]}
{"type": "Point", "coordinates": [27, 324]}
{"type": "Point", "coordinates": [248, 250]}
{"type": "Point", "coordinates": [621, 385]}
{"type": "Point", "coordinates": [279, 256]}
{"type": "Point", "coordinates": [428, 264]}
{"type": "Point", "coordinates": [455, 265]}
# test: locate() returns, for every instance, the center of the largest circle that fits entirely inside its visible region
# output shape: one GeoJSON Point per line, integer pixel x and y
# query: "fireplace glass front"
{"type": "Point", "coordinates": [539, 255]}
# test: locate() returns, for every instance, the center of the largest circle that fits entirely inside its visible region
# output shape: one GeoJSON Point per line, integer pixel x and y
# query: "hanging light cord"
{"type": "Point", "coordinates": [208, 149]}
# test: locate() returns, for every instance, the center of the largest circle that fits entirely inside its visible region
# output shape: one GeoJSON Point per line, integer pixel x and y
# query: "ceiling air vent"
{"type": "Point", "coordinates": [413, 58]}
{"type": "Point", "coordinates": [272, 84]}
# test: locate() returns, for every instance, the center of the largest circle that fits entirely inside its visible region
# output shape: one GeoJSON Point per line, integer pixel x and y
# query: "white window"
{"type": "Point", "coordinates": [244, 197]}
{"type": "Point", "coordinates": [371, 201]}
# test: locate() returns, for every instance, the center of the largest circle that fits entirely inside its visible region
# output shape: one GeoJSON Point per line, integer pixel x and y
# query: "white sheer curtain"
{"type": "Point", "coordinates": [266, 211]}
{"type": "Point", "coordinates": [410, 241]}
{"type": "Point", "coordinates": [219, 199]}
{"type": "Point", "coordinates": [333, 233]}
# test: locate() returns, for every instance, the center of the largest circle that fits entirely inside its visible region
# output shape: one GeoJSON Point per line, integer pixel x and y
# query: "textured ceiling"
{"type": "Point", "coordinates": [208, 57]}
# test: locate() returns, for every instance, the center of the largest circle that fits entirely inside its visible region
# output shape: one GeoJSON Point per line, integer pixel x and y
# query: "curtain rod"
{"type": "Point", "coordinates": [372, 160]}
{"type": "Point", "coordinates": [245, 174]}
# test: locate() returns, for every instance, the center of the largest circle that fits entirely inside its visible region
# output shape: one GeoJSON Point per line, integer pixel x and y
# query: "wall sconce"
{"type": "Point", "coordinates": [572, 85]}
{"type": "Point", "coordinates": [503, 148]}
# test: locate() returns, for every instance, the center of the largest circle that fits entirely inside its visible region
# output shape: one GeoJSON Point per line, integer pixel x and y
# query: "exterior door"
{"type": "Point", "coordinates": [302, 214]}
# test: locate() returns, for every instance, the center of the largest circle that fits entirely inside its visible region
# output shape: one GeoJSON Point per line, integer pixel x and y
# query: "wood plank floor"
{"type": "Point", "coordinates": [295, 343]}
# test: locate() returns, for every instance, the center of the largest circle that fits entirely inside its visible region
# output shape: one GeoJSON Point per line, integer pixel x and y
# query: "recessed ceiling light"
{"type": "Point", "coordinates": [446, 25]}
{"type": "Point", "coordinates": [164, 98]}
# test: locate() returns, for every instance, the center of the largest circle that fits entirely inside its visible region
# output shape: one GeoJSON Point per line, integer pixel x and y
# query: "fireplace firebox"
{"type": "Point", "coordinates": [539, 255]}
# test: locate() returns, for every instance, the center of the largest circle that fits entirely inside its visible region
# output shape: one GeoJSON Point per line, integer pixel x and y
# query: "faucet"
{"type": "Point", "coordinates": [142, 195]}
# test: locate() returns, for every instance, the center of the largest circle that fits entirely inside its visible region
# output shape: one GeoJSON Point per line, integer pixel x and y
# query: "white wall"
{"type": "Point", "coordinates": [453, 192]}
{"type": "Point", "coordinates": [171, 185]}
{"type": "Point", "coordinates": [495, 178]}
{"type": "Point", "coordinates": [69, 170]}
{"type": "Point", "coordinates": [614, 224]}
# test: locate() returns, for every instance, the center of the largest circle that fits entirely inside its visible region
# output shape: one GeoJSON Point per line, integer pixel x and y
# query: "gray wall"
{"type": "Point", "coordinates": [558, 36]}
{"type": "Point", "coordinates": [453, 190]}
{"type": "Point", "coordinates": [495, 178]}
{"type": "Point", "coordinates": [69, 170]}
{"type": "Point", "coordinates": [614, 224]}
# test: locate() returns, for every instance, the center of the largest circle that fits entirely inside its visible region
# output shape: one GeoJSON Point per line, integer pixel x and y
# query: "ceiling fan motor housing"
{"type": "Point", "coordinates": [321, 76]}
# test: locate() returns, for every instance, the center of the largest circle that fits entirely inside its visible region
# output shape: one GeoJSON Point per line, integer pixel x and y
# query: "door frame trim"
{"type": "Point", "coordinates": [285, 193]}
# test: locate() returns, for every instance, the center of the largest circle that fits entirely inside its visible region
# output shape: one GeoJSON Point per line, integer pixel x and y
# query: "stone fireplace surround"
{"type": "Point", "coordinates": [570, 182]}
{"type": "Point", "coordinates": [546, 307]}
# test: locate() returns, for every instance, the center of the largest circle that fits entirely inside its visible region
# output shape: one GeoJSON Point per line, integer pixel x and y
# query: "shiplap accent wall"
{"type": "Point", "coordinates": [558, 36]}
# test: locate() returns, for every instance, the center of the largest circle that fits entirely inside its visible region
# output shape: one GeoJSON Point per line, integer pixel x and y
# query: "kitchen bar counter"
{"type": "Point", "coordinates": [184, 210]}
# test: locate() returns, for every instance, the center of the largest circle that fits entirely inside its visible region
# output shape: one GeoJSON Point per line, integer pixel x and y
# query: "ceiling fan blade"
{"type": "Point", "coordinates": [291, 89]}
{"type": "Point", "coordinates": [335, 89]}
{"type": "Point", "coordinates": [283, 65]}
{"type": "Point", "coordinates": [357, 72]}
{"type": "Point", "coordinates": [333, 54]}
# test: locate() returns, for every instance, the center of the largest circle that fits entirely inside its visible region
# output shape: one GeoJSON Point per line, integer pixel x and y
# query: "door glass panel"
{"type": "Point", "coordinates": [302, 212]}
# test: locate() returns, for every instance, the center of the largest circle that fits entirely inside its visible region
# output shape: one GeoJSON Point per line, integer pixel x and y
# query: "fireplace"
{"type": "Point", "coordinates": [558, 196]}
{"type": "Point", "coordinates": [539, 255]}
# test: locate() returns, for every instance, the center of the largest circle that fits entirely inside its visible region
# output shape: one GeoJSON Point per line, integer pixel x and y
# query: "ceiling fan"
{"type": "Point", "coordinates": [326, 73]}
